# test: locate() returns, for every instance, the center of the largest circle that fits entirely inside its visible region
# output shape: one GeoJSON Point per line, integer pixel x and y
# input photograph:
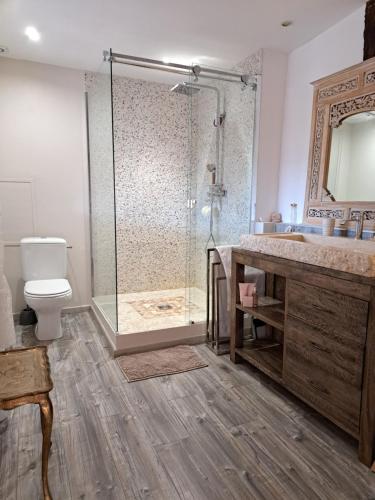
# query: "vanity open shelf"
{"type": "Point", "coordinates": [265, 353]}
{"type": "Point", "coordinates": [269, 310]}
{"type": "Point", "coordinates": [268, 358]}
{"type": "Point", "coordinates": [318, 341]}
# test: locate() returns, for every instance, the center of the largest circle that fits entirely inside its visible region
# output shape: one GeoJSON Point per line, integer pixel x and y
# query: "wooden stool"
{"type": "Point", "coordinates": [24, 379]}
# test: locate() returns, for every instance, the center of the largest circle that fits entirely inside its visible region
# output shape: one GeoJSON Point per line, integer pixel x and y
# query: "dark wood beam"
{"type": "Point", "coordinates": [369, 34]}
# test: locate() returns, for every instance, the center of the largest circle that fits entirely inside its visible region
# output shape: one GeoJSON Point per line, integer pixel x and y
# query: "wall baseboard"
{"type": "Point", "coordinates": [76, 309]}
{"type": "Point", "coordinates": [66, 310]}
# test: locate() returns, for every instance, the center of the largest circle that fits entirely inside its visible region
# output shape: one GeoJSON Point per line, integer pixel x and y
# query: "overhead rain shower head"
{"type": "Point", "coordinates": [185, 89]}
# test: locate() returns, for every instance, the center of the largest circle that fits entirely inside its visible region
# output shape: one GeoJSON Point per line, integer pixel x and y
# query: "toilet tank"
{"type": "Point", "coordinates": [43, 258]}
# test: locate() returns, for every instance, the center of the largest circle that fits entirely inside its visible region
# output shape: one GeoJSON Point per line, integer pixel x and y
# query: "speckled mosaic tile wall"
{"type": "Point", "coordinates": [152, 160]}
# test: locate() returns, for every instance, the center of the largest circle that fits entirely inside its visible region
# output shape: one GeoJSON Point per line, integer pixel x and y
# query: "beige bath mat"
{"type": "Point", "coordinates": [140, 366]}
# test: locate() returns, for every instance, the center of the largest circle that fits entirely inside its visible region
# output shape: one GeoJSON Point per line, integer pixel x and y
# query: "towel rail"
{"type": "Point", "coordinates": [12, 244]}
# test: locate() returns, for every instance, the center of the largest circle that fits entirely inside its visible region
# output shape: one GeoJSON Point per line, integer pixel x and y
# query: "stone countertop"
{"type": "Point", "coordinates": [342, 254]}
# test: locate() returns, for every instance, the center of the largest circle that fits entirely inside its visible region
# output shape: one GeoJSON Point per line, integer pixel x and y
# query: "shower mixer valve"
{"type": "Point", "coordinates": [217, 191]}
{"type": "Point", "coordinates": [220, 122]}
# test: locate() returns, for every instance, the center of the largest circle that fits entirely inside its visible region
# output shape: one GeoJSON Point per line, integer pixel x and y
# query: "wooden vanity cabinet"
{"type": "Point", "coordinates": [322, 346]}
{"type": "Point", "coordinates": [324, 341]}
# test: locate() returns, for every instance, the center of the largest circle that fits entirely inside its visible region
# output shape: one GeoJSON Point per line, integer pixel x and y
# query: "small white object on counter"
{"type": "Point", "coordinates": [264, 227]}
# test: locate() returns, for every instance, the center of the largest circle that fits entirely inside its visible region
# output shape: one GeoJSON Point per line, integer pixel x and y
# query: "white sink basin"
{"type": "Point", "coordinates": [343, 254]}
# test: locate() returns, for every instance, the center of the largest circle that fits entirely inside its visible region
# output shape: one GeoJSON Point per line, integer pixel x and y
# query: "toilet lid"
{"type": "Point", "coordinates": [47, 288]}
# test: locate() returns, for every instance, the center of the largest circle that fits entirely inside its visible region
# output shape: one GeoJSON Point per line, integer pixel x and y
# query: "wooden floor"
{"type": "Point", "coordinates": [222, 432]}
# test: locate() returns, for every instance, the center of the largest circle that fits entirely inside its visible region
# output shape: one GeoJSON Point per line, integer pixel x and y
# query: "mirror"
{"type": "Point", "coordinates": [341, 173]}
{"type": "Point", "coordinates": [351, 171]}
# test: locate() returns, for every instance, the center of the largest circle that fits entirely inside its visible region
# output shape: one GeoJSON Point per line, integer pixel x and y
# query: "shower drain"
{"type": "Point", "coordinates": [164, 307]}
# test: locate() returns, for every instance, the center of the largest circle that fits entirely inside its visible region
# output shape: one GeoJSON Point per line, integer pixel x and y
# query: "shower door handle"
{"type": "Point", "coordinates": [191, 203]}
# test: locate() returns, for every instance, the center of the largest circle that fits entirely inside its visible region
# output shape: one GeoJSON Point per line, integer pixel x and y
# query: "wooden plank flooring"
{"type": "Point", "coordinates": [222, 432]}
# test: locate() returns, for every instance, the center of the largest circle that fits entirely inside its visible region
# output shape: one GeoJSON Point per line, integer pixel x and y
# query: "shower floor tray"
{"type": "Point", "coordinates": [156, 310]}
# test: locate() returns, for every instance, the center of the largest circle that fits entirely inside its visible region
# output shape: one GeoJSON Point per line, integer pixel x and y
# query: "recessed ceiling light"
{"type": "Point", "coordinates": [3, 50]}
{"type": "Point", "coordinates": [286, 24]}
{"type": "Point", "coordinates": [32, 34]}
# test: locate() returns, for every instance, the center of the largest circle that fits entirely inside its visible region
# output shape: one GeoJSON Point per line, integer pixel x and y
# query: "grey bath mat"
{"type": "Point", "coordinates": [178, 359]}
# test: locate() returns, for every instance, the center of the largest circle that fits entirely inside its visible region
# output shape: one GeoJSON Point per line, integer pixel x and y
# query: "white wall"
{"type": "Point", "coordinates": [337, 48]}
{"type": "Point", "coordinates": [271, 109]}
{"type": "Point", "coordinates": [42, 142]}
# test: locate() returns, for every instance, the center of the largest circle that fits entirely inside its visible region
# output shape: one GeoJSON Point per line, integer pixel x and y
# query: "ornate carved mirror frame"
{"type": "Point", "coordinates": [336, 97]}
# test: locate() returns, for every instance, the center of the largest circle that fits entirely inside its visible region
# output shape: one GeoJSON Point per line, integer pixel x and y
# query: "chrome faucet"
{"type": "Point", "coordinates": [359, 225]}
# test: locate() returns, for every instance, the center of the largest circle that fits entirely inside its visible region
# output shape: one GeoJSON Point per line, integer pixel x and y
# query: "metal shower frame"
{"type": "Point", "coordinates": [182, 69]}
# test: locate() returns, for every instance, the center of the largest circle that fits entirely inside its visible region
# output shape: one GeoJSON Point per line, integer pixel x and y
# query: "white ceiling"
{"type": "Point", "coordinates": [210, 32]}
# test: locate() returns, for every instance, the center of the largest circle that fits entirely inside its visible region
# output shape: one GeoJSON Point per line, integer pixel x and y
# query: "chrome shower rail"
{"type": "Point", "coordinates": [182, 69]}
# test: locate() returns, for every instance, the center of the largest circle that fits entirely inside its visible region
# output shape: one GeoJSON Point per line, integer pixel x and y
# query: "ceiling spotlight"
{"type": "Point", "coordinates": [3, 50]}
{"type": "Point", "coordinates": [286, 24]}
{"type": "Point", "coordinates": [32, 34]}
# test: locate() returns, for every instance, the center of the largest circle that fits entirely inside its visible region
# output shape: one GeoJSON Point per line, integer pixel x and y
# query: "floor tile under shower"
{"type": "Point", "coordinates": [156, 310]}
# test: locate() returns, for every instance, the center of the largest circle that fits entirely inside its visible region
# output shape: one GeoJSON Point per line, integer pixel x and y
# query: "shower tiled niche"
{"type": "Point", "coordinates": [150, 204]}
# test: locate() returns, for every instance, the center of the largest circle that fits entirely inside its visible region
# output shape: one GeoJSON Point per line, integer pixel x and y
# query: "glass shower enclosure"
{"type": "Point", "coordinates": [171, 170]}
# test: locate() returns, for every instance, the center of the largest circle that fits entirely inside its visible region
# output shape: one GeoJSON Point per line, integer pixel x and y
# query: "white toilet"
{"type": "Point", "coordinates": [47, 291]}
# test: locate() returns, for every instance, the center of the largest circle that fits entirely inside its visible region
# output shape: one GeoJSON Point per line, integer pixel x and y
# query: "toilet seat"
{"type": "Point", "coordinates": [47, 288]}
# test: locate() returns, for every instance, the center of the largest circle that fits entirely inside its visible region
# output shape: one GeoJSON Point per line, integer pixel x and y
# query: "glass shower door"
{"type": "Point", "coordinates": [102, 192]}
{"type": "Point", "coordinates": [222, 143]}
{"type": "Point", "coordinates": [152, 173]}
